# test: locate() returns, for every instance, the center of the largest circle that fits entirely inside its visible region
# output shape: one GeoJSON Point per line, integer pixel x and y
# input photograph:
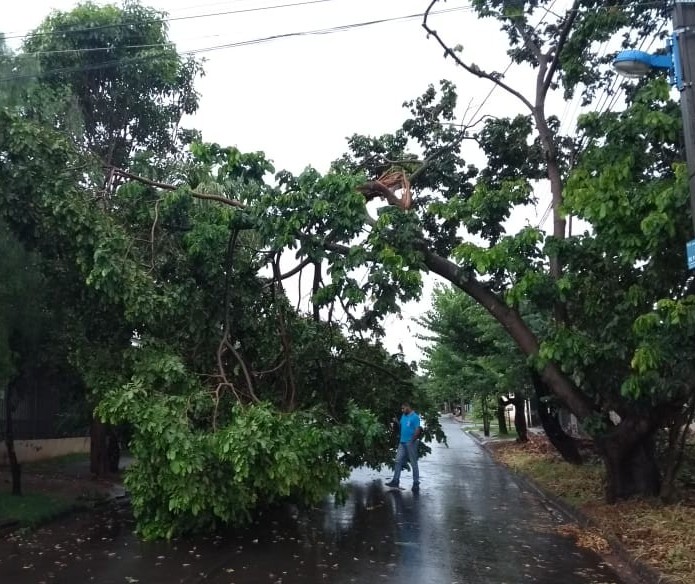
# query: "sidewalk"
{"type": "Point", "coordinates": [477, 432]}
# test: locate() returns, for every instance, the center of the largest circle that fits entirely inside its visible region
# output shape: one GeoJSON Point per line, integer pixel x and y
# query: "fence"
{"type": "Point", "coordinates": [38, 414]}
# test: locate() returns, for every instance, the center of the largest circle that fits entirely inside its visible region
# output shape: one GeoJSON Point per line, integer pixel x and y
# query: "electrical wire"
{"type": "Point", "coordinates": [260, 40]}
{"type": "Point", "coordinates": [165, 19]}
{"type": "Point", "coordinates": [495, 86]}
{"type": "Point", "coordinates": [607, 99]}
{"type": "Point", "coordinates": [611, 95]}
{"type": "Point", "coordinates": [509, 65]}
{"type": "Point", "coordinates": [168, 19]}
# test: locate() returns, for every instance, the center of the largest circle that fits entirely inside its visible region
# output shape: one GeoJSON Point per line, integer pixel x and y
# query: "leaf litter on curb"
{"type": "Point", "coordinates": [652, 532]}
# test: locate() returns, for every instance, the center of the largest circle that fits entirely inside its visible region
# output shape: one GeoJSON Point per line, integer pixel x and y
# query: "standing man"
{"type": "Point", "coordinates": [408, 447]}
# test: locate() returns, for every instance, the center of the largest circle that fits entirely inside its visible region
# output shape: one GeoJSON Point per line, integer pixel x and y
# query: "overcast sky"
{"type": "Point", "coordinates": [298, 98]}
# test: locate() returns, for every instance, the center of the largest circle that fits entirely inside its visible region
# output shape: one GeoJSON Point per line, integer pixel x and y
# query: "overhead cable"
{"type": "Point", "coordinates": [255, 41]}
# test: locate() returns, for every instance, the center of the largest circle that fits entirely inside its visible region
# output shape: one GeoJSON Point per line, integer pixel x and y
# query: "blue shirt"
{"type": "Point", "coordinates": [409, 423]}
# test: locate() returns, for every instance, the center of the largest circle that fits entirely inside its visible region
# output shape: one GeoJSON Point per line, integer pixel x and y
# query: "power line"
{"type": "Point", "coordinates": [495, 86]}
{"type": "Point", "coordinates": [191, 7]}
{"type": "Point", "coordinates": [165, 19]}
{"type": "Point", "coordinates": [16, 34]}
{"type": "Point", "coordinates": [608, 96]}
{"type": "Point", "coordinates": [607, 90]}
{"type": "Point", "coordinates": [511, 62]}
{"type": "Point", "coordinates": [261, 40]}
{"type": "Point", "coordinates": [569, 120]}
{"type": "Point", "coordinates": [97, 49]}
{"type": "Point", "coordinates": [611, 95]}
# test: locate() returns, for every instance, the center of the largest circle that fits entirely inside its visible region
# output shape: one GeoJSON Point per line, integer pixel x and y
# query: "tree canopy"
{"type": "Point", "coordinates": [182, 328]}
{"type": "Point", "coordinates": [177, 250]}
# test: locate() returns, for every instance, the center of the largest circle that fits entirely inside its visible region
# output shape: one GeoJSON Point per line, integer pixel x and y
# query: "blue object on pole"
{"type": "Point", "coordinates": [690, 253]}
{"type": "Point", "coordinates": [633, 63]}
{"type": "Point", "coordinates": [676, 73]}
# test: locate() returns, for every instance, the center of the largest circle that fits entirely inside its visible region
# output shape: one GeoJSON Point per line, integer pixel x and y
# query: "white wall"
{"type": "Point", "coordinates": [31, 450]}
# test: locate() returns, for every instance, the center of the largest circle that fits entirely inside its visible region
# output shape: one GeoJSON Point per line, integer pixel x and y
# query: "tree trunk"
{"type": "Point", "coordinates": [99, 449]}
{"type": "Point", "coordinates": [563, 443]}
{"type": "Point", "coordinates": [519, 402]}
{"type": "Point", "coordinates": [486, 417]}
{"type": "Point", "coordinates": [15, 467]}
{"type": "Point", "coordinates": [501, 420]}
{"type": "Point", "coordinates": [562, 386]}
{"type": "Point", "coordinates": [630, 460]}
{"type": "Point", "coordinates": [315, 287]}
{"type": "Point", "coordinates": [113, 450]}
{"type": "Point", "coordinates": [671, 461]}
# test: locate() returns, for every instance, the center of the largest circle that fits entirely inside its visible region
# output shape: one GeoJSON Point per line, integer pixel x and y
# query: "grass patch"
{"type": "Point", "coordinates": [655, 533]}
{"type": "Point", "coordinates": [494, 430]}
{"type": "Point", "coordinates": [575, 484]}
{"type": "Point", "coordinates": [32, 508]}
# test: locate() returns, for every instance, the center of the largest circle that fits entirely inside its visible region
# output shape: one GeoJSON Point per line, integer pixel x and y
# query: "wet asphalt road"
{"type": "Point", "coordinates": [470, 524]}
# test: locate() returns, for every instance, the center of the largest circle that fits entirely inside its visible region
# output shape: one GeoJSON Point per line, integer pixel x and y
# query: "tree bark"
{"type": "Point", "coordinates": [671, 461]}
{"type": "Point", "coordinates": [629, 456]}
{"type": "Point", "coordinates": [99, 449]}
{"type": "Point", "coordinates": [486, 417]}
{"type": "Point", "coordinates": [316, 285]}
{"type": "Point", "coordinates": [519, 402]}
{"type": "Point", "coordinates": [563, 443]}
{"type": "Point", "coordinates": [15, 467]}
{"type": "Point", "coordinates": [501, 420]}
{"type": "Point", "coordinates": [113, 450]}
{"type": "Point", "coordinates": [514, 324]}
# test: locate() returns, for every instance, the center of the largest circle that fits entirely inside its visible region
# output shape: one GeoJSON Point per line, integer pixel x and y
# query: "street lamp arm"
{"type": "Point", "coordinates": [662, 61]}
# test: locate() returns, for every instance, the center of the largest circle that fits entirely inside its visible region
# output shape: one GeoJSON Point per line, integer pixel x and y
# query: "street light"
{"type": "Point", "coordinates": [638, 63]}
{"type": "Point", "coordinates": [632, 63]}
{"type": "Point", "coordinates": [679, 62]}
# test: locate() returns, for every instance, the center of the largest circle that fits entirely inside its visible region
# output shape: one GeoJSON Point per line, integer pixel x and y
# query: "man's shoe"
{"type": "Point", "coordinates": [416, 487]}
{"type": "Point", "coordinates": [391, 484]}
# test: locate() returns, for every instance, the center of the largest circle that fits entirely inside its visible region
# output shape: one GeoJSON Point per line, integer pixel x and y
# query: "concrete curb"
{"type": "Point", "coordinates": [645, 572]}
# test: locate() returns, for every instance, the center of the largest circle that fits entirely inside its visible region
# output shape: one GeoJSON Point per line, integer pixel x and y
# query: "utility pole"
{"type": "Point", "coordinates": [680, 64]}
{"type": "Point", "coordinates": [684, 54]}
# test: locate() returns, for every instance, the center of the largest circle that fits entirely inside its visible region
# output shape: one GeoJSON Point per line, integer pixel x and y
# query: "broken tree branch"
{"type": "Point", "coordinates": [299, 290]}
{"type": "Point", "coordinates": [154, 227]}
{"type": "Point", "coordinates": [269, 371]}
{"type": "Point", "coordinates": [375, 366]}
{"type": "Point", "coordinates": [170, 187]}
{"type": "Point", "coordinates": [316, 310]}
{"type": "Point", "coordinates": [290, 385]}
{"type": "Point", "coordinates": [298, 268]}
{"type": "Point", "coordinates": [244, 369]}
